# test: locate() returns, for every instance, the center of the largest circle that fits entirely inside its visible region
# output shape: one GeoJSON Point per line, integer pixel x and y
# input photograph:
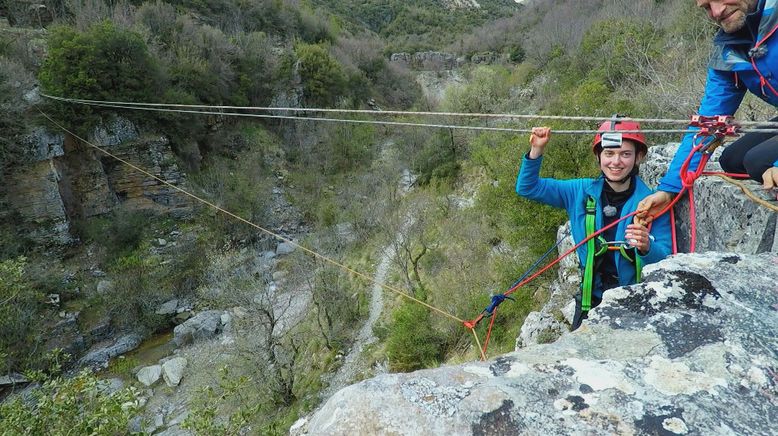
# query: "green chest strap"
{"type": "Point", "coordinates": [588, 279]}
{"type": "Point", "coordinates": [593, 251]}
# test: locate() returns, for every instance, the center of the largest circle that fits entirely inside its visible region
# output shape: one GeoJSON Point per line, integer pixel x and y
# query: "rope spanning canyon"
{"type": "Point", "coordinates": [251, 112]}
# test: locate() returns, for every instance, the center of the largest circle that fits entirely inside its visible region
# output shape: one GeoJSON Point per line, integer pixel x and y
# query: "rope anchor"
{"type": "Point", "coordinates": [717, 127]}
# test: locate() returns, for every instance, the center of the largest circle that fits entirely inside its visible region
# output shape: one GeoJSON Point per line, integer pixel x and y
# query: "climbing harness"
{"type": "Point", "coordinates": [588, 279]}
{"type": "Point", "coordinates": [597, 247]}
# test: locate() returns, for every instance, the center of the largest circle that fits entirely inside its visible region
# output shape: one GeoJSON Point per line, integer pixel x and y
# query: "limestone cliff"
{"type": "Point", "coordinates": [66, 180]}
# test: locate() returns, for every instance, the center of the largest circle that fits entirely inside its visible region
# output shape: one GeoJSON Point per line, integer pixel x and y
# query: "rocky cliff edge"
{"type": "Point", "coordinates": [691, 350]}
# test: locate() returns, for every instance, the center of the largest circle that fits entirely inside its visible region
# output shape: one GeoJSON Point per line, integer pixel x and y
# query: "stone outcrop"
{"type": "Point", "coordinates": [485, 58]}
{"type": "Point", "coordinates": [42, 144]}
{"type": "Point", "coordinates": [427, 60]}
{"type": "Point", "coordinates": [440, 61]}
{"type": "Point", "coordinates": [461, 4]}
{"type": "Point", "coordinates": [37, 201]}
{"type": "Point", "coordinates": [434, 84]}
{"type": "Point", "coordinates": [691, 350]}
{"type": "Point", "coordinates": [204, 325]}
{"type": "Point", "coordinates": [66, 180]}
{"type": "Point", "coordinates": [100, 354]}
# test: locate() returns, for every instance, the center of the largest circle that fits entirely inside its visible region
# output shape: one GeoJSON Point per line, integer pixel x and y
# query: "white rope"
{"type": "Point", "coordinates": [370, 112]}
{"type": "Point", "coordinates": [761, 126]}
{"type": "Point", "coordinates": [375, 122]}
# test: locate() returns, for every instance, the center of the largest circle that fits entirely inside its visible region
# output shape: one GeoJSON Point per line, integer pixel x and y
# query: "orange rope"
{"type": "Point", "coordinates": [258, 227]}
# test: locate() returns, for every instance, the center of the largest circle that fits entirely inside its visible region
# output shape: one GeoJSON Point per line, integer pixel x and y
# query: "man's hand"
{"type": "Point", "coordinates": [649, 207]}
{"type": "Point", "coordinates": [770, 178]}
{"type": "Point", "coordinates": [638, 237]}
{"type": "Point", "coordinates": [538, 140]}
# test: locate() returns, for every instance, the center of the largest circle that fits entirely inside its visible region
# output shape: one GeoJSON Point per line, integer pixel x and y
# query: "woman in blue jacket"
{"type": "Point", "coordinates": [615, 258]}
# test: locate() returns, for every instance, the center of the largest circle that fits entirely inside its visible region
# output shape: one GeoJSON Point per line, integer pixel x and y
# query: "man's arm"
{"type": "Point", "coordinates": [721, 97]}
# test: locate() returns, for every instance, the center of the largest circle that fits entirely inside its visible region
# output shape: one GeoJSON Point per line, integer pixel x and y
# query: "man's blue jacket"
{"type": "Point", "coordinates": [746, 60]}
{"type": "Point", "coordinates": [572, 195]}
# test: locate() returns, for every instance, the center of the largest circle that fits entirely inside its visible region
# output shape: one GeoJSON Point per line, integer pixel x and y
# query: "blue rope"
{"type": "Point", "coordinates": [496, 300]}
{"type": "Point", "coordinates": [537, 262]}
{"type": "Point", "coordinates": [499, 298]}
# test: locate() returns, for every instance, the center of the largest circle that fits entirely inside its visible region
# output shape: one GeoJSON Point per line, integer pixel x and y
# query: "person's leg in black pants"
{"type": "Point", "coordinates": [580, 315]}
{"type": "Point", "coordinates": [760, 158]}
{"type": "Point", "coordinates": [737, 157]}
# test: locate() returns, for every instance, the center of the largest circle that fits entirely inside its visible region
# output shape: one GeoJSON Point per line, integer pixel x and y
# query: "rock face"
{"type": "Point", "coordinates": [435, 84]}
{"type": "Point", "coordinates": [691, 350]}
{"type": "Point", "coordinates": [35, 197]}
{"type": "Point", "coordinates": [204, 325]}
{"type": "Point", "coordinates": [727, 220]}
{"type": "Point", "coordinates": [427, 60]}
{"type": "Point", "coordinates": [66, 180]}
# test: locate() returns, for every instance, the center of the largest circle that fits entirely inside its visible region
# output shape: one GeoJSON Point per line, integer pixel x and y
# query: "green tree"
{"type": "Point", "coordinates": [103, 63]}
{"type": "Point", "coordinates": [615, 49]}
{"type": "Point", "coordinates": [67, 406]}
{"type": "Point", "coordinates": [19, 309]}
{"type": "Point", "coordinates": [487, 89]}
{"type": "Point", "coordinates": [256, 69]}
{"type": "Point", "coordinates": [412, 343]}
{"type": "Point", "coordinates": [322, 77]}
{"type": "Point", "coordinates": [350, 147]}
{"type": "Point", "coordinates": [11, 120]}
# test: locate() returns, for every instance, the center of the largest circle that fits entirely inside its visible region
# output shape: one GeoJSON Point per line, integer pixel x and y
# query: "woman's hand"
{"type": "Point", "coordinates": [637, 236]}
{"type": "Point", "coordinates": [538, 140]}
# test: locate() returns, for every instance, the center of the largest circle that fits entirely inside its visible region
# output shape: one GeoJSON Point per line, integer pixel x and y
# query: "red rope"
{"type": "Point", "coordinates": [545, 268]}
{"type": "Point", "coordinates": [489, 332]}
{"type": "Point", "coordinates": [473, 323]}
{"type": "Point", "coordinates": [687, 181]}
{"type": "Point", "coordinates": [672, 231]}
